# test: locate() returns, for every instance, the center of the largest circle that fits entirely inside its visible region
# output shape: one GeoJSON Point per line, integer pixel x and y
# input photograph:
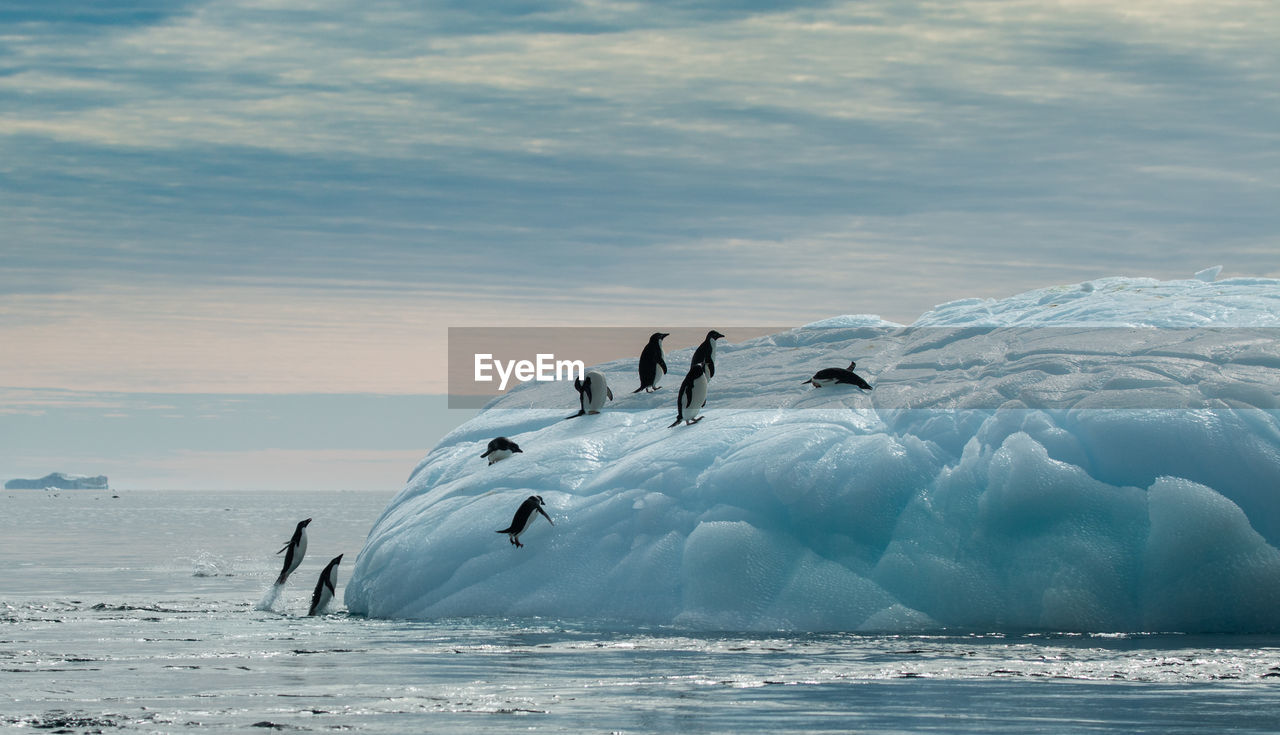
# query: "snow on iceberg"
{"type": "Point", "coordinates": [1086, 478]}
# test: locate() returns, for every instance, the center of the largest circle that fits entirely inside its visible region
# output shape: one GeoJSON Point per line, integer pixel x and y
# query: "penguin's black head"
{"type": "Point", "coordinates": [515, 447]}
{"type": "Point", "coordinates": [303, 524]}
{"type": "Point", "coordinates": [336, 559]}
{"type": "Point", "coordinates": [659, 336]}
{"type": "Point", "coordinates": [713, 334]}
{"type": "Point", "coordinates": [537, 499]}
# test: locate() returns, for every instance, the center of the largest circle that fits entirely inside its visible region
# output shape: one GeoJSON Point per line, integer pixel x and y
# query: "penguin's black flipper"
{"type": "Point", "coordinates": [282, 548]}
{"type": "Point", "coordinates": [857, 380]}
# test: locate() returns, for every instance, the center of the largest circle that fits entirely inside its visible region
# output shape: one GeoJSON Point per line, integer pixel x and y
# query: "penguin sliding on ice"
{"type": "Point", "coordinates": [706, 354]}
{"type": "Point", "coordinates": [296, 548]}
{"type": "Point", "coordinates": [830, 376]}
{"type": "Point", "coordinates": [324, 587]}
{"type": "Point", "coordinates": [501, 448]}
{"type": "Point", "coordinates": [692, 397]}
{"type": "Point", "coordinates": [591, 393]}
{"type": "Point", "coordinates": [524, 518]}
{"type": "Point", "coordinates": [653, 366]}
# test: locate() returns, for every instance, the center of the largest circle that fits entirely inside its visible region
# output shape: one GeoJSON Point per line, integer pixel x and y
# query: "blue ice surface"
{"type": "Point", "coordinates": [1096, 487]}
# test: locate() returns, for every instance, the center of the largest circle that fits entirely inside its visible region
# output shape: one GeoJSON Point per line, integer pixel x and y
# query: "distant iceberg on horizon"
{"type": "Point", "coordinates": [1102, 456]}
{"type": "Point", "coordinates": [59, 481]}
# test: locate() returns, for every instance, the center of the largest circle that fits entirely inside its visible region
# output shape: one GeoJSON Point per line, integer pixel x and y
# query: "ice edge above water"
{"type": "Point", "coordinates": [850, 517]}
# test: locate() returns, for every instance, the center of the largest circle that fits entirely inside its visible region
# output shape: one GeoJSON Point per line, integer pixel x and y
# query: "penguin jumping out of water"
{"type": "Point", "coordinates": [692, 397]}
{"type": "Point", "coordinates": [591, 393]}
{"type": "Point", "coordinates": [524, 517]}
{"type": "Point", "coordinates": [653, 366]}
{"type": "Point", "coordinates": [296, 548]}
{"type": "Point", "coordinates": [830, 376]}
{"type": "Point", "coordinates": [501, 448]}
{"type": "Point", "coordinates": [325, 586]}
{"type": "Point", "coordinates": [706, 354]}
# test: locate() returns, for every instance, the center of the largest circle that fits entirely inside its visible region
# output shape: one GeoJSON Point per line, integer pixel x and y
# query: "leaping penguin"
{"type": "Point", "coordinates": [829, 376]}
{"type": "Point", "coordinates": [325, 586]}
{"type": "Point", "coordinates": [296, 548]}
{"type": "Point", "coordinates": [591, 393]}
{"type": "Point", "coordinates": [653, 366]}
{"type": "Point", "coordinates": [706, 353]}
{"type": "Point", "coordinates": [692, 397]}
{"type": "Point", "coordinates": [500, 448]}
{"type": "Point", "coordinates": [524, 517]}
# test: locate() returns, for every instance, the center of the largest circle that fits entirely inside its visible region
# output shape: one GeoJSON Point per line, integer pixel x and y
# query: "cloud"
{"type": "Point", "coordinates": [351, 165]}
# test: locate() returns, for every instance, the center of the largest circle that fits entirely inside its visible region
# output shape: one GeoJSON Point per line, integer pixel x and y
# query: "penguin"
{"type": "Point", "coordinates": [828, 376]}
{"type": "Point", "coordinates": [591, 393]}
{"type": "Point", "coordinates": [692, 397]}
{"type": "Point", "coordinates": [524, 517]}
{"type": "Point", "coordinates": [706, 354]}
{"type": "Point", "coordinates": [501, 448]}
{"type": "Point", "coordinates": [325, 586]}
{"type": "Point", "coordinates": [652, 365]}
{"type": "Point", "coordinates": [297, 548]}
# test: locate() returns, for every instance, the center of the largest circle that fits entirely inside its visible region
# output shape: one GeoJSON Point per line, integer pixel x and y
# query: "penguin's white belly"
{"type": "Point", "coordinates": [823, 381]}
{"type": "Point", "coordinates": [599, 391]}
{"type": "Point", "coordinates": [658, 375]}
{"type": "Point", "coordinates": [697, 397]}
{"type": "Point", "coordinates": [498, 454]}
{"type": "Point", "coordinates": [299, 552]}
{"type": "Point", "coordinates": [525, 526]}
{"type": "Point", "coordinates": [326, 593]}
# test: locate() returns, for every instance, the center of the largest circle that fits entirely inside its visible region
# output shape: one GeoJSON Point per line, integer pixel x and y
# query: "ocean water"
{"type": "Point", "coordinates": [139, 613]}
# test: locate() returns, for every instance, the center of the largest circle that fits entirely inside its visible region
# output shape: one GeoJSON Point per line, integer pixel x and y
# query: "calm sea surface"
{"type": "Point", "coordinates": [138, 613]}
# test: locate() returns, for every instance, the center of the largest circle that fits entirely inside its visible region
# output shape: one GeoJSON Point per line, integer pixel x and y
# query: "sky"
{"type": "Point", "coordinates": [231, 213]}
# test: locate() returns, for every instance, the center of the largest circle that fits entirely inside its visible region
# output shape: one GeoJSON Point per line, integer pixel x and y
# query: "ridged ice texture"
{"type": "Point", "coordinates": [853, 515]}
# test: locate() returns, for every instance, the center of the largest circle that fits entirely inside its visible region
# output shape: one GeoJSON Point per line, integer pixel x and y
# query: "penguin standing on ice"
{"type": "Point", "coordinates": [591, 393]}
{"type": "Point", "coordinates": [296, 548]}
{"type": "Point", "coordinates": [325, 586]}
{"type": "Point", "coordinates": [524, 517]}
{"type": "Point", "coordinates": [500, 448]}
{"type": "Point", "coordinates": [653, 366]}
{"type": "Point", "coordinates": [706, 354]}
{"type": "Point", "coordinates": [830, 376]}
{"type": "Point", "coordinates": [692, 397]}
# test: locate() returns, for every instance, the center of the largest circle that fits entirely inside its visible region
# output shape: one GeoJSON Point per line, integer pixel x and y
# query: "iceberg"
{"type": "Point", "coordinates": [1102, 456]}
{"type": "Point", "coordinates": [59, 481]}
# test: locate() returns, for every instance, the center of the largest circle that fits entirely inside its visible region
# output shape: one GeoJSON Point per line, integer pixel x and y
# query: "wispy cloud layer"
{"type": "Point", "coordinates": [170, 169]}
